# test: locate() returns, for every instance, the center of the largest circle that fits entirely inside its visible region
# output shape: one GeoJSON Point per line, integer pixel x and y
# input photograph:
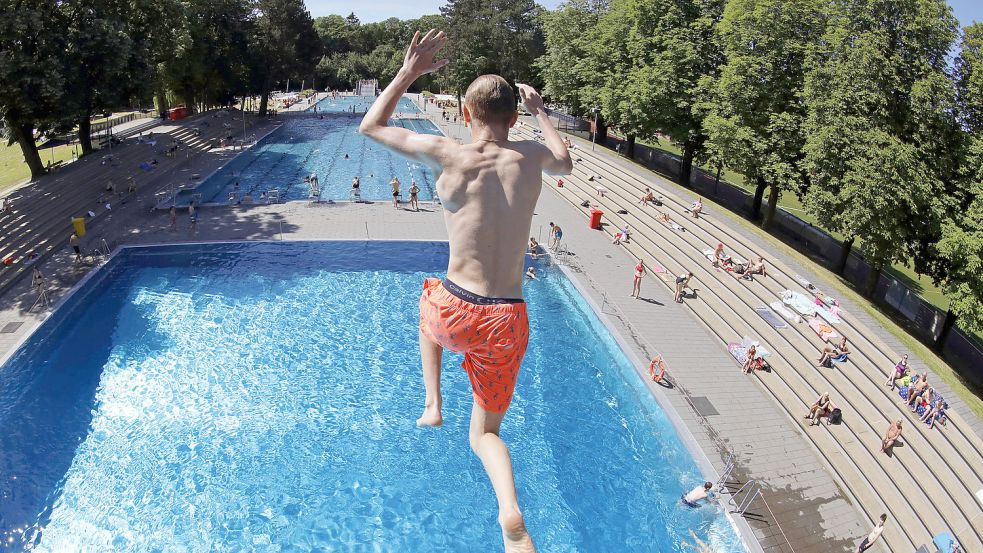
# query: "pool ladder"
{"type": "Point", "coordinates": [751, 489]}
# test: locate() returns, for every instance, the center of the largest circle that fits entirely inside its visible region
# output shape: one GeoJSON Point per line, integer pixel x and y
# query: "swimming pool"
{"type": "Point", "coordinates": [307, 144]}
{"type": "Point", "coordinates": [263, 396]}
{"type": "Point", "coordinates": [361, 104]}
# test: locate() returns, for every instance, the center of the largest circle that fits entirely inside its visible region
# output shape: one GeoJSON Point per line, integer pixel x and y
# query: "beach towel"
{"type": "Point", "coordinates": [780, 308]}
{"type": "Point", "coordinates": [658, 269]}
{"type": "Point", "coordinates": [770, 316]}
{"type": "Point", "coordinates": [676, 227]}
{"type": "Point", "coordinates": [799, 303]}
{"type": "Point", "coordinates": [709, 254]}
{"type": "Point", "coordinates": [820, 327]}
{"type": "Point", "coordinates": [830, 317]}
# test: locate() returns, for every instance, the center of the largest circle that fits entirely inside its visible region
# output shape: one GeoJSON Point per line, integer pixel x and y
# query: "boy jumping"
{"type": "Point", "coordinates": [489, 189]}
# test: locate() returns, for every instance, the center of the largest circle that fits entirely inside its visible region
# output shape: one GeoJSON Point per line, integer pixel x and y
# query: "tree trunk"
{"type": "Point", "coordinates": [263, 101]}
{"type": "Point", "coordinates": [840, 266]}
{"type": "Point", "coordinates": [872, 279]}
{"type": "Point", "coordinates": [716, 181]}
{"type": "Point", "coordinates": [759, 192]}
{"type": "Point", "coordinates": [686, 169]}
{"type": "Point", "coordinates": [772, 206]}
{"type": "Point", "coordinates": [85, 134]}
{"type": "Point", "coordinates": [161, 97]}
{"type": "Point", "coordinates": [24, 134]}
{"type": "Point", "coordinates": [947, 323]}
{"type": "Point", "coordinates": [460, 105]}
{"type": "Point", "coordinates": [630, 146]}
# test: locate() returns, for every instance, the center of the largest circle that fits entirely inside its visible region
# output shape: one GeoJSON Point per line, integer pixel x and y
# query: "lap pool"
{"type": "Point", "coordinates": [262, 397]}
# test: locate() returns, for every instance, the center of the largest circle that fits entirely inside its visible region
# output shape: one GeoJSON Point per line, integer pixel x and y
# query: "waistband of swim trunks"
{"type": "Point", "coordinates": [476, 299]}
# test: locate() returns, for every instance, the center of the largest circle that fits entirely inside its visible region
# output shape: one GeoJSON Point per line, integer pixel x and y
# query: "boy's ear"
{"type": "Point", "coordinates": [513, 119]}
{"type": "Point", "coordinates": [467, 115]}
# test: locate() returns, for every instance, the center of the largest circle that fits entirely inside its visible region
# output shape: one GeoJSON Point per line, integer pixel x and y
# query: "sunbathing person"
{"type": "Point", "coordinates": [490, 188]}
{"type": "Point", "coordinates": [899, 372]}
{"type": "Point", "coordinates": [925, 398]}
{"type": "Point", "coordinates": [832, 353]}
{"type": "Point", "coordinates": [891, 436]}
{"type": "Point", "coordinates": [664, 217]}
{"type": "Point", "coordinates": [917, 389]}
{"type": "Point", "coordinates": [647, 197]}
{"type": "Point", "coordinates": [756, 268]}
{"type": "Point", "coordinates": [820, 408]}
{"type": "Point", "coordinates": [696, 208]}
{"type": "Point", "coordinates": [748, 365]}
{"type": "Point", "coordinates": [621, 236]}
{"type": "Point", "coordinates": [934, 412]}
{"type": "Point", "coordinates": [721, 259]}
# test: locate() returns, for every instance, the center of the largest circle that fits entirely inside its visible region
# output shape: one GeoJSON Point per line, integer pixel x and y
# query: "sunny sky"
{"type": "Point", "coordinates": [377, 10]}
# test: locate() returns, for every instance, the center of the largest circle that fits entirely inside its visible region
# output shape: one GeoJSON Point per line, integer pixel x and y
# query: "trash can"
{"type": "Point", "coordinates": [595, 218]}
{"type": "Point", "coordinates": [79, 224]}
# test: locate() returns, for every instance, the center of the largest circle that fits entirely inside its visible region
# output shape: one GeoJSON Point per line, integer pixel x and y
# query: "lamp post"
{"type": "Point", "coordinates": [593, 141]}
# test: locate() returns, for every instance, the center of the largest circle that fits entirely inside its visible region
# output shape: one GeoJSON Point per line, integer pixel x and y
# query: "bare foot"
{"type": "Point", "coordinates": [431, 417]}
{"type": "Point", "coordinates": [517, 539]}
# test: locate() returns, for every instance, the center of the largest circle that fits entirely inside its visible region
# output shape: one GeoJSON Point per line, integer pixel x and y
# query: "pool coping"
{"type": "Point", "coordinates": [741, 527]}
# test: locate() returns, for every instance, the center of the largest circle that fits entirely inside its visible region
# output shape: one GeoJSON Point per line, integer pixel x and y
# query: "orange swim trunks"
{"type": "Point", "coordinates": [492, 336]}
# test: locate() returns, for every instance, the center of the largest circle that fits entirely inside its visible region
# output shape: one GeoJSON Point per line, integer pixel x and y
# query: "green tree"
{"type": "Point", "coordinates": [31, 78]}
{"type": "Point", "coordinates": [962, 235]}
{"type": "Point", "coordinates": [883, 146]}
{"type": "Point", "coordinates": [101, 60]}
{"type": "Point", "coordinates": [286, 44]}
{"type": "Point", "coordinates": [755, 114]}
{"type": "Point", "coordinates": [493, 36]}
{"type": "Point", "coordinates": [566, 68]}
{"type": "Point", "coordinates": [651, 56]}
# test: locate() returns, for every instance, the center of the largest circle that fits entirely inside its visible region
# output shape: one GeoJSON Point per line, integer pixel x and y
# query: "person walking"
{"type": "Point", "coordinates": [173, 218]}
{"type": "Point", "coordinates": [874, 535]}
{"type": "Point", "coordinates": [636, 288]}
{"type": "Point", "coordinates": [74, 243]}
{"type": "Point", "coordinates": [395, 186]}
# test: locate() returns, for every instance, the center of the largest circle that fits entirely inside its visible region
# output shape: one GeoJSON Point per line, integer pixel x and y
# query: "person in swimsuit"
{"type": "Point", "coordinates": [820, 408]}
{"type": "Point", "coordinates": [534, 249]}
{"type": "Point", "coordinates": [173, 218]}
{"type": "Point", "coordinates": [556, 234]}
{"type": "Point", "coordinates": [874, 535]}
{"type": "Point", "coordinates": [647, 197]}
{"type": "Point", "coordinates": [636, 287]}
{"type": "Point", "coordinates": [748, 365]}
{"type": "Point", "coordinates": [917, 389]}
{"type": "Point", "coordinates": [681, 282]}
{"type": "Point", "coordinates": [697, 208]}
{"type": "Point", "coordinates": [74, 243]}
{"type": "Point", "coordinates": [899, 372]}
{"type": "Point", "coordinates": [891, 436]}
{"type": "Point", "coordinates": [693, 497]}
{"type": "Point", "coordinates": [489, 188]}
{"type": "Point", "coordinates": [395, 186]}
{"type": "Point", "coordinates": [414, 193]}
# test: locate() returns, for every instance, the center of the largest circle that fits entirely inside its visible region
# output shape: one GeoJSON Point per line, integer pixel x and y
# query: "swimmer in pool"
{"type": "Point", "coordinates": [489, 189]}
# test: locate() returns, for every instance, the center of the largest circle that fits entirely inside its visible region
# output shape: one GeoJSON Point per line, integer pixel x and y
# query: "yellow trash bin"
{"type": "Point", "coordinates": [79, 224]}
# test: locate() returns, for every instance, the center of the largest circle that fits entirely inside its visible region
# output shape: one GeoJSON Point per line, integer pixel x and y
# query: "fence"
{"type": "Point", "coordinates": [926, 321]}
{"type": "Point", "coordinates": [113, 121]}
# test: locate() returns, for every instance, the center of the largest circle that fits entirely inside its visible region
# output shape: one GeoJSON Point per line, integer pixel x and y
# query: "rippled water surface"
{"type": "Point", "coordinates": [262, 397]}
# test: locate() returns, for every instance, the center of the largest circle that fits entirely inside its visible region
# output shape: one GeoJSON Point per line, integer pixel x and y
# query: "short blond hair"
{"type": "Point", "coordinates": [490, 99]}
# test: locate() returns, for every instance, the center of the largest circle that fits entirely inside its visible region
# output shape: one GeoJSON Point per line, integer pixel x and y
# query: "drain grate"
{"type": "Point", "coordinates": [10, 328]}
{"type": "Point", "coordinates": [703, 406]}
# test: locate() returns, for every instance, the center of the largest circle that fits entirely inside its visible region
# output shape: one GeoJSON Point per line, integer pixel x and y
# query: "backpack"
{"type": "Point", "coordinates": [835, 416]}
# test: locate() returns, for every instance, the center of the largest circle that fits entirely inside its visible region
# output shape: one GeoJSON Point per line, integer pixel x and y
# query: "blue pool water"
{"type": "Point", "coordinates": [307, 144]}
{"type": "Point", "coordinates": [262, 397]}
{"type": "Point", "coordinates": [361, 104]}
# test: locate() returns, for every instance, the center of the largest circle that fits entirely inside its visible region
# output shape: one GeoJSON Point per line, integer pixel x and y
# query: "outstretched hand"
{"type": "Point", "coordinates": [419, 56]}
{"type": "Point", "coordinates": [531, 98]}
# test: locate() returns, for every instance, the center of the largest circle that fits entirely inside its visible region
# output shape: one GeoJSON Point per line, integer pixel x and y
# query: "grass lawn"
{"type": "Point", "coordinates": [13, 169]}
{"type": "Point", "coordinates": [968, 394]}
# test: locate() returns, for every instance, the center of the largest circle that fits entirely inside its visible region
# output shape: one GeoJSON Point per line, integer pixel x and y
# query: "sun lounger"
{"type": "Point", "coordinates": [822, 328]}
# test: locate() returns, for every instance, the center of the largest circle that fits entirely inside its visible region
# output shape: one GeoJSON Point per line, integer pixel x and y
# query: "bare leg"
{"type": "Point", "coordinates": [494, 455]}
{"type": "Point", "coordinates": [431, 355]}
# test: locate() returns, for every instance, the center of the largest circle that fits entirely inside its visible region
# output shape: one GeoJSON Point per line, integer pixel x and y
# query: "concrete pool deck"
{"type": "Point", "coordinates": [801, 492]}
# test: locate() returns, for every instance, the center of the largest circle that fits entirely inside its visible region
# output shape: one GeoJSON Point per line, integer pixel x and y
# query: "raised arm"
{"type": "Point", "coordinates": [418, 61]}
{"type": "Point", "coordinates": [557, 161]}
